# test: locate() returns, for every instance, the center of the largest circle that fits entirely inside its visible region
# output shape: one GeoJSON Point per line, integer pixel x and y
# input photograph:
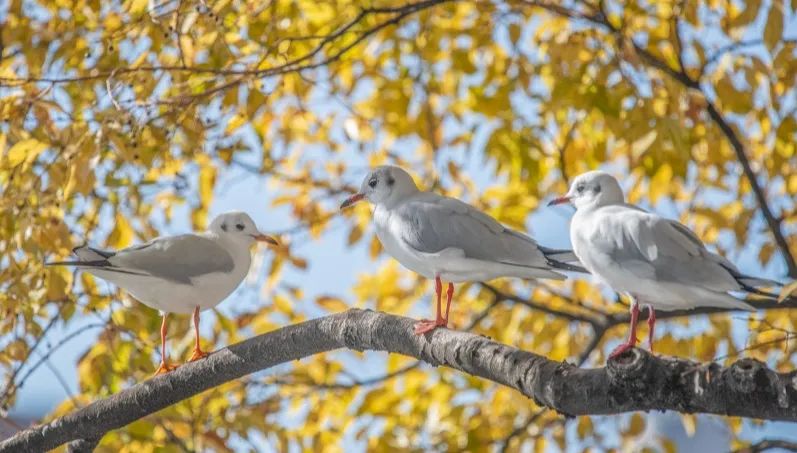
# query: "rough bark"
{"type": "Point", "coordinates": [633, 382]}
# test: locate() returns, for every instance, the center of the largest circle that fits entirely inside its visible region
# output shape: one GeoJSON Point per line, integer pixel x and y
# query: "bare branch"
{"type": "Point", "coordinates": [635, 381]}
{"type": "Point", "coordinates": [769, 444]}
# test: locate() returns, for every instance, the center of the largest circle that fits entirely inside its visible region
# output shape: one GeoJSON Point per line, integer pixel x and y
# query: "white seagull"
{"type": "Point", "coordinates": [443, 238]}
{"type": "Point", "coordinates": [656, 261]}
{"type": "Point", "coordinates": [179, 274]}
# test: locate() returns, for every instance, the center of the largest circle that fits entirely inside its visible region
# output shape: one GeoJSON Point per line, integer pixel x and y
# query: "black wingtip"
{"type": "Point", "coordinates": [566, 266]}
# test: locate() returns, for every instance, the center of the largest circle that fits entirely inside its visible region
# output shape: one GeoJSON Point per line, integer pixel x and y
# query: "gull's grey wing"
{"type": "Point", "coordinates": [432, 223]}
{"type": "Point", "coordinates": [648, 246]}
{"type": "Point", "coordinates": [175, 258]}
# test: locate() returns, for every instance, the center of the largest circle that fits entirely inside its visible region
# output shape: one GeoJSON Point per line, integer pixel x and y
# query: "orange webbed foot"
{"type": "Point", "coordinates": [198, 354]}
{"type": "Point", "coordinates": [427, 325]}
{"type": "Point", "coordinates": [165, 368]}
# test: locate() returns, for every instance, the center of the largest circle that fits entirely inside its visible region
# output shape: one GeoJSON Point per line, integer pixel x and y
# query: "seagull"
{"type": "Point", "coordinates": [187, 273]}
{"type": "Point", "coordinates": [443, 238]}
{"type": "Point", "coordinates": [658, 262]}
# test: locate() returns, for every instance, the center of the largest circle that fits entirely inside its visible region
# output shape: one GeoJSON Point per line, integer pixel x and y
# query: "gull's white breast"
{"type": "Point", "coordinates": [388, 230]}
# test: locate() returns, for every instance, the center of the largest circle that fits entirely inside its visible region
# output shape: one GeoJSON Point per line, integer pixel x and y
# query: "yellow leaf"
{"type": "Point", "coordinates": [122, 233]}
{"type": "Point", "coordinates": [375, 247]}
{"type": "Point", "coordinates": [644, 142]}
{"type": "Point", "coordinates": [138, 6]}
{"type": "Point", "coordinates": [235, 122]}
{"type": "Point", "coordinates": [56, 284]}
{"type": "Point", "coordinates": [81, 178]}
{"type": "Point", "coordinates": [637, 425]}
{"type": "Point", "coordinates": [24, 152]}
{"type": "Point", "coordinates": [17, 349]}
{"type": "Point", "coordinates": [301, 263]}
{"type": "Point", "coordinates": [747, 14]}
{"type": "Point", "coordinates": [765, 254]}
{"type": "Point", "coordinates": [690, 423]}
{"type": "Point", "coordinates": [331, 304]}
{"type": "Point", "coordinates": [282, 304]}
{"type": "Point", "coordinates": [773, 30]}
{"type": "Point", "coordinates": [355, 234]}
{"type": "Point", "coordinates": [207, 179]}
{"type": "Point", "coordinates": [514, 32]}
{"type": "Point", "coordinates": [660, 182]}
{"type": "Point", "coordinates": [585, 427]}
{"type": "Point", "coordinates": [787, 291]}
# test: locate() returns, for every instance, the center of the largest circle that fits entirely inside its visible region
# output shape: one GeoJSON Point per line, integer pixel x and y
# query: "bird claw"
{"type": "Point", "coordinates": [427, 325]}
{"type": "Point", "coordinates": [619, 350]}
{"type": "Point", "coordinates": [198, 354]}
{"type": "Point", "coordinates": [165, 368]}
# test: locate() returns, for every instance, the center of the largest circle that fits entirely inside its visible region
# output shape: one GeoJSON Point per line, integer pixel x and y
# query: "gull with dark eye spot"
{"type": "Point", "coordinates": [179, 274]}
{"type": "Point", "coordinates": [656, 261]}
{"type": "Point", "coordinates": [443, 238]}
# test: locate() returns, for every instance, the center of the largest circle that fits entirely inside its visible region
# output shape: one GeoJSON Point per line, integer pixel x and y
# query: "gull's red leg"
{"type": "Point", "coordinates": [449, 296]}
{"type": "Point", "coordinates": [632, 339]}
{"type": "Point", "coordinates": [427, 325]}
{"type": "Point", "coordinates": [438, 291]}
{"type": "Point", "coordinates": [651, 325]}
{"type": "Point", "coordinates": [164, 367]}
{"type": "Point", "coordinates": [198, 352]}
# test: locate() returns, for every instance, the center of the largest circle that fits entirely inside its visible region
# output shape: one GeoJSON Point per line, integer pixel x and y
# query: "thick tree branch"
{"type": "Point", "coordinates": [636, 381]}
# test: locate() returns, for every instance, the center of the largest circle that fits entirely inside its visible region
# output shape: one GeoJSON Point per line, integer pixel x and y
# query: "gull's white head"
{"type": "Point", "coordinates": [591, 190]}
{"type": "Point", "coordinates": [384, 185]}
{"type": "Point", "coordinates": [239, 227]}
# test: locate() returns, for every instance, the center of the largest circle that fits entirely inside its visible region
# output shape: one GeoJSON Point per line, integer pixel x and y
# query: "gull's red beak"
{"type": "Point", "coordinates": [559, 200]}
{"type": "Point", "coordinates": [265, 238]}
{"type": "Point", "coordinates": [351, 200]}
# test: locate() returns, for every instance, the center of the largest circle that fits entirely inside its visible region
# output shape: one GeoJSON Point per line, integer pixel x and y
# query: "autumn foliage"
{"type": "Point", "coordinates": [119, 117]}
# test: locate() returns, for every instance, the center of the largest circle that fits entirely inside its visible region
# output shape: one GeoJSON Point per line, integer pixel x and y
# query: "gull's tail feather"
{"type": "Point", "coordinates": [97, 264]}
{"type": "Point", "coordinates": [86, 256]}
{"type": "Point", "coordinates": [756, 281]}
{"type": "Point", "coordinates": [91, 258]}
{"type": "Point", "coordinates": [749, 283]}
{"type": "Point", "coordinates": [723, 300]}
{"type": "Point", "coordinates": [86, 253]}
{"type": "Point", "coordinates": [565, 260]}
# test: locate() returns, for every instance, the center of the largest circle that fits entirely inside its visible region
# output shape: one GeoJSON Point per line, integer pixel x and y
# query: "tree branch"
{"type": "Point", "coordinates": [769, 444]}
{"type": "Point", "coordinates": [635, 381]}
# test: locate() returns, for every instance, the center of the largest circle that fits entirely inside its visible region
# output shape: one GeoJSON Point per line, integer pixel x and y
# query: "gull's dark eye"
{"type": "Point", "coordinates": [224, 226]}
{"type": "Point", "coordinates": [580, 188]}
{"type": "Point", "coordinates": [372, 182]}
{"type": "Point", "coordinates": [239, 226]}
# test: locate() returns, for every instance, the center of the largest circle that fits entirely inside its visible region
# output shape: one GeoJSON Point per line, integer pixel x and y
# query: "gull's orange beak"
{"type": "Point", "coordinates": [265, 238]}
{"type": "Point", "coordinates": [351, 200]}
{"type": "Point", "coordinates": [559, 200]}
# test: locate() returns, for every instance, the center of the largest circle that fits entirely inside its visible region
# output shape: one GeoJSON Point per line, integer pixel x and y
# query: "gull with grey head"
{"type": "Point", "coordinates": [443, 238]}
{"type": "Point", "coordinates": [658, 262]}
{"type": "Point", "coordinates": [187, 273]}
